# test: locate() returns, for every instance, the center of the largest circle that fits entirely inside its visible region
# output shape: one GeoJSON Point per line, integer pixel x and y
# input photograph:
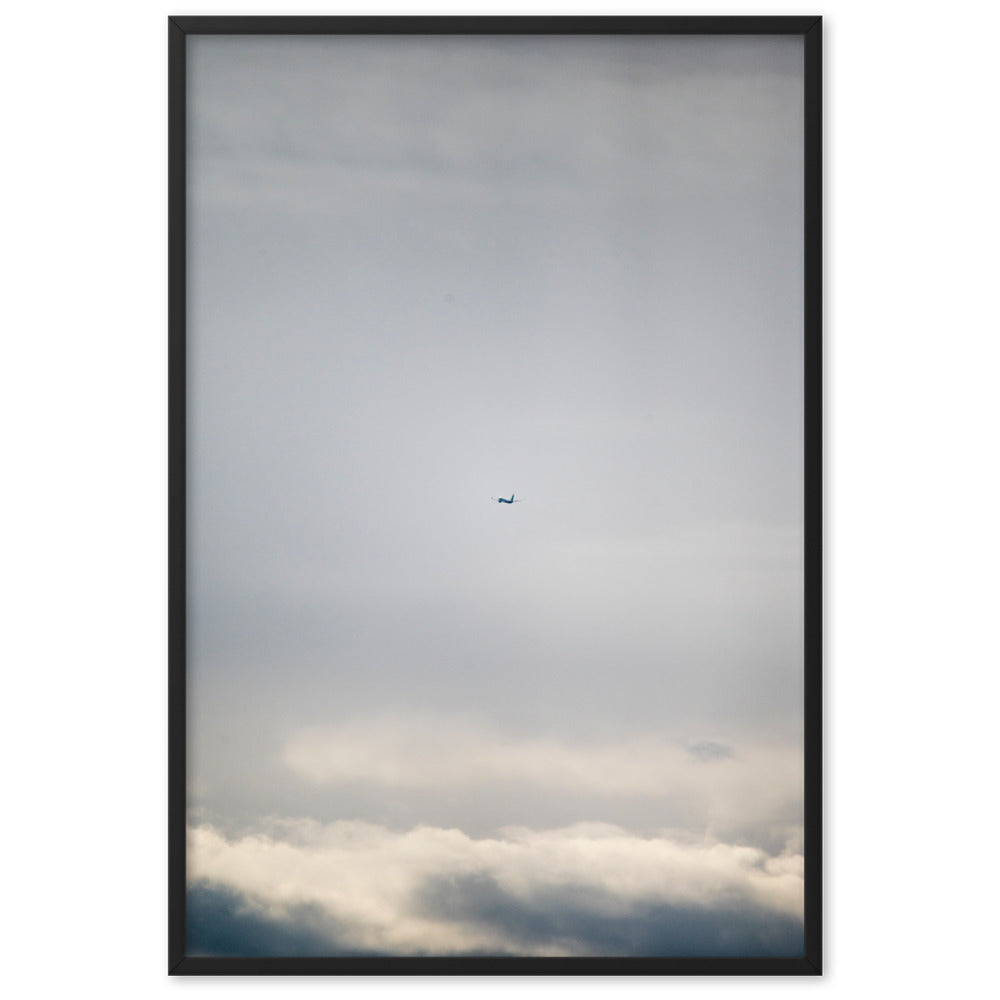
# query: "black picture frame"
{"type": "Point", "coordinates": [810, 29]}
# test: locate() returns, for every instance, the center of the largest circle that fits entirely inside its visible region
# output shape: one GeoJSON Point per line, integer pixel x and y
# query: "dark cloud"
{"type": "Point", "coordinates": [590, 922]}
{"type": "Point", "coordinates": [575, 920]}
{"type": "Point", "coordinates": [224, 922]}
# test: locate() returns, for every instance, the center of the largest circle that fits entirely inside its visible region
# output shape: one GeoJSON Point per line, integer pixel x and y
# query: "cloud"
{"type": "Point", "coordinates": [222, 921]}
{"type": "Point", "coordinates": [708, 750]}
{"type": "Point", "coordinates": [593, 922]}
{"type": "Point", "coordinates": [708, 784]}
{"type": "Point", "coordinates": [454, 121]}
{"type": "Point", "coordinates": [585, 889]}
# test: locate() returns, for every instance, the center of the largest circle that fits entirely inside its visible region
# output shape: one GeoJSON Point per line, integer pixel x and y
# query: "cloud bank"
{"type": "Point", "coordinates": [709, 786]}
{"type": "Point", "coordinates": [586, 889]}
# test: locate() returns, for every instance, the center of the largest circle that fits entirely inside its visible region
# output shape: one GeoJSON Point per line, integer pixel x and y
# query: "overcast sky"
{"type": "Point", "coordinates": [424, 272]}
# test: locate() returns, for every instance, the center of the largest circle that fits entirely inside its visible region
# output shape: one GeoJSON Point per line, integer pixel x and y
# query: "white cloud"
{"type": "Point", "coordinates": [372, 883]}
{"type": "Point", "coordinates": [753, 784]}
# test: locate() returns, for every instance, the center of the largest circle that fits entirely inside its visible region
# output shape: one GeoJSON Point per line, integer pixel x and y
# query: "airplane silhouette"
{"type": "Point", "coordinates": [511, 500]}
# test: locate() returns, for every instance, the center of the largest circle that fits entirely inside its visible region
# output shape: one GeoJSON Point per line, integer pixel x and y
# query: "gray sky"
{"type": "Point", "coordinates": [426, 272]}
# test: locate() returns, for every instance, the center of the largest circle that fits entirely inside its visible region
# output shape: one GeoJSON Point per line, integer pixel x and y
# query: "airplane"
{"type": "Point", "coordinates": [511, 500]}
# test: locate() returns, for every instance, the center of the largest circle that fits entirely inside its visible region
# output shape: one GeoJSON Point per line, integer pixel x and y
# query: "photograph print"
{"type": "Point", "coordinates": [494, 537]}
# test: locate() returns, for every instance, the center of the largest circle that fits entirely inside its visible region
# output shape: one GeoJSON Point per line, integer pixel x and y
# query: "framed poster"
{"type": "Point", "coordinates": [495, 495]}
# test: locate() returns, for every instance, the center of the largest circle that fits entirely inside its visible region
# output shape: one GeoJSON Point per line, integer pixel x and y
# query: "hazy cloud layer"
{"type": "Point", "coordinates": [438, 891]}
{"type": "Point", "coordinates": [708, 783]}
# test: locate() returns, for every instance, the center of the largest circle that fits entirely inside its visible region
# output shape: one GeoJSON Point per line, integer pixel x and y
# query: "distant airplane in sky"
{"type": "Point", "coordinates": [502, 500]}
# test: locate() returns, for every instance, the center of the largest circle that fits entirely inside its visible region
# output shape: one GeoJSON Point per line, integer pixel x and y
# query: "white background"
{"type": "Point", "coordinates": [911, 499]}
